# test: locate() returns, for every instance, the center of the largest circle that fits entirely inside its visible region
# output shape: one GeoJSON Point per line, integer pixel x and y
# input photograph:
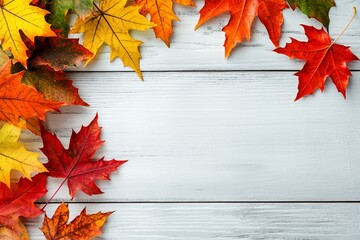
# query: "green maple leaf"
{"type": "Point", "coordinates": [60, 8]}
{"type": "Point", "coordinates": [318, 9]}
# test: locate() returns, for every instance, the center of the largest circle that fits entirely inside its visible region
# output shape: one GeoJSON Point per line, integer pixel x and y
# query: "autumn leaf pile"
{"type": "Point", "coordinates": [36, 51]}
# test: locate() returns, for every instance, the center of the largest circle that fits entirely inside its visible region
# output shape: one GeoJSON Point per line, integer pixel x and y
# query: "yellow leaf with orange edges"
{"type": "Point", "coordinates": [161, 13]}
{"type": "Point", "coordinates": [83, 227]}
{"type": "Point", "coordinates": [14, 156]}
{"type": "Point", "coordinates": [16, 15]}
{"type": "Point", "coordinates": [110, 23]}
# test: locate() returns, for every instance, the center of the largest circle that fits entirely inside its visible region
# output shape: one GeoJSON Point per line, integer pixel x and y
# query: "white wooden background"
{"type": "Point", "coordinates": [217, 148]}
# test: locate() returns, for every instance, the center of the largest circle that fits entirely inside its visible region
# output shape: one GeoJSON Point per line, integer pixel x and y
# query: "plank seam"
{"type": "Point", "coordinates": [193, 71]}
{"type": "Point", "coordinates": [206, 202]}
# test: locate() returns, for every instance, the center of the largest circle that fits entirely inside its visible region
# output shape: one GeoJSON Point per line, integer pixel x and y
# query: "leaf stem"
{"type": "Point", "coordinates": [346, 27]}
{"type": "Point", "coordinates": [68, 174]}
{"type": "Point", "coordinates": [57, 190]}
{"type": "Point", "coordinates": [97, 7]}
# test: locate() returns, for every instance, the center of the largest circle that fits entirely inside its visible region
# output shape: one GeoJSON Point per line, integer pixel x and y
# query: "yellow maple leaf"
{"type": "Point", "coordinates": [16, 15]}
{"type": "Point", "coordinates": [110, 24]}
{"type": "Point", "coordinates": [161, 13]}
{"type": "Point", "coordinates": [14, 156]}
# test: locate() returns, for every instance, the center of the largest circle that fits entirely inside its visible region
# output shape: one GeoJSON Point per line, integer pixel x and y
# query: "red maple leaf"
{"type": "Point", "coordinates": [324, 58]}
{"type": "Point", "coordinates": [75, 164]}
{"type": "Point", "coordinates": [18, 201]}
{"type": "Point", "coordinates": [242, 14]}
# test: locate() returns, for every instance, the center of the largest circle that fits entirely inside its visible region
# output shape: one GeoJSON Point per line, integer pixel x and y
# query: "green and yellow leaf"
{"type": "Point", "coordinates": [60, 8]}
{"type": "Point", "coordinates": [318, 9]}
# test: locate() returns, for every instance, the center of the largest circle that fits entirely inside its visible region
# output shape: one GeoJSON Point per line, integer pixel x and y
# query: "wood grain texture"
{"type": "Point", "coordinates": [204, 129]}
{"type": "Point", "coordinates": [209, 136]}
{"type": "Point", "coordinates": [203, 49]}
{"type": "Point", "coordinates": [222, 221]}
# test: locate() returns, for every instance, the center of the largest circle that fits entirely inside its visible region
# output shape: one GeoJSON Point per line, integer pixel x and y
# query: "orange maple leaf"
{"type": "Point", "coordinates": [242, 15]}
{"type": "Point", "coordinates": [161, 13]}
{"type": "Point", "coordinates": [19, 100]}
{"type": "Point", "coordinates": [83, 227]}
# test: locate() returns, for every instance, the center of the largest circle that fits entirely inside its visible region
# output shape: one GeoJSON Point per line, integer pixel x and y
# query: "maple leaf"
{"type": "Point", "coordinates": [48, 57]}
{"type": "Point", "coordinates": [33, 125]}
{"type": "Point", "coordinates": [56, 52]}
{"type": "Point", "coordinates": [75, 164]}
{"type": "Point", "coordinates": [83, 227]}
{"type": "Point", "coordinates": [110, 24]}
{"type": "Point", "coordinates": [242, 14]}
{"type": "Point", "coordinates": [162, 14]}
{"type": "Point", "coordinates": [18, 201]}
{"type": "Point", "coordinates": [318, 9]}
{"type": "Point", "coordinates": [323, 57]}
{"type": "Point", "coordinates": [14, 156]}
{"type": "Point", "coordinates": [19, 100]}
{"type": "Point", "coordinates": [53, 85]}
{"type": "Point", "coordinates": [16, 15]}
{"type": "Point", "coordinates": [60, 8]}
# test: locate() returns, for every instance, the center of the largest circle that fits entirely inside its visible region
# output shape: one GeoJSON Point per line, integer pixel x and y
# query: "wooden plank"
{"type": "Point", "coordinates": [202, 49]}
{"type": "Point", "coordinates": [218, 136]}
{"type": "Point", "coordinates": [221, 221]}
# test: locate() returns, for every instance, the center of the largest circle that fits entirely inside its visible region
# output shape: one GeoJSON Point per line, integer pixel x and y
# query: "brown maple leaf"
{"type": "Point", "coordinates": [83, 227]}
{"type": "Point", "coordinates": [48, 58]}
